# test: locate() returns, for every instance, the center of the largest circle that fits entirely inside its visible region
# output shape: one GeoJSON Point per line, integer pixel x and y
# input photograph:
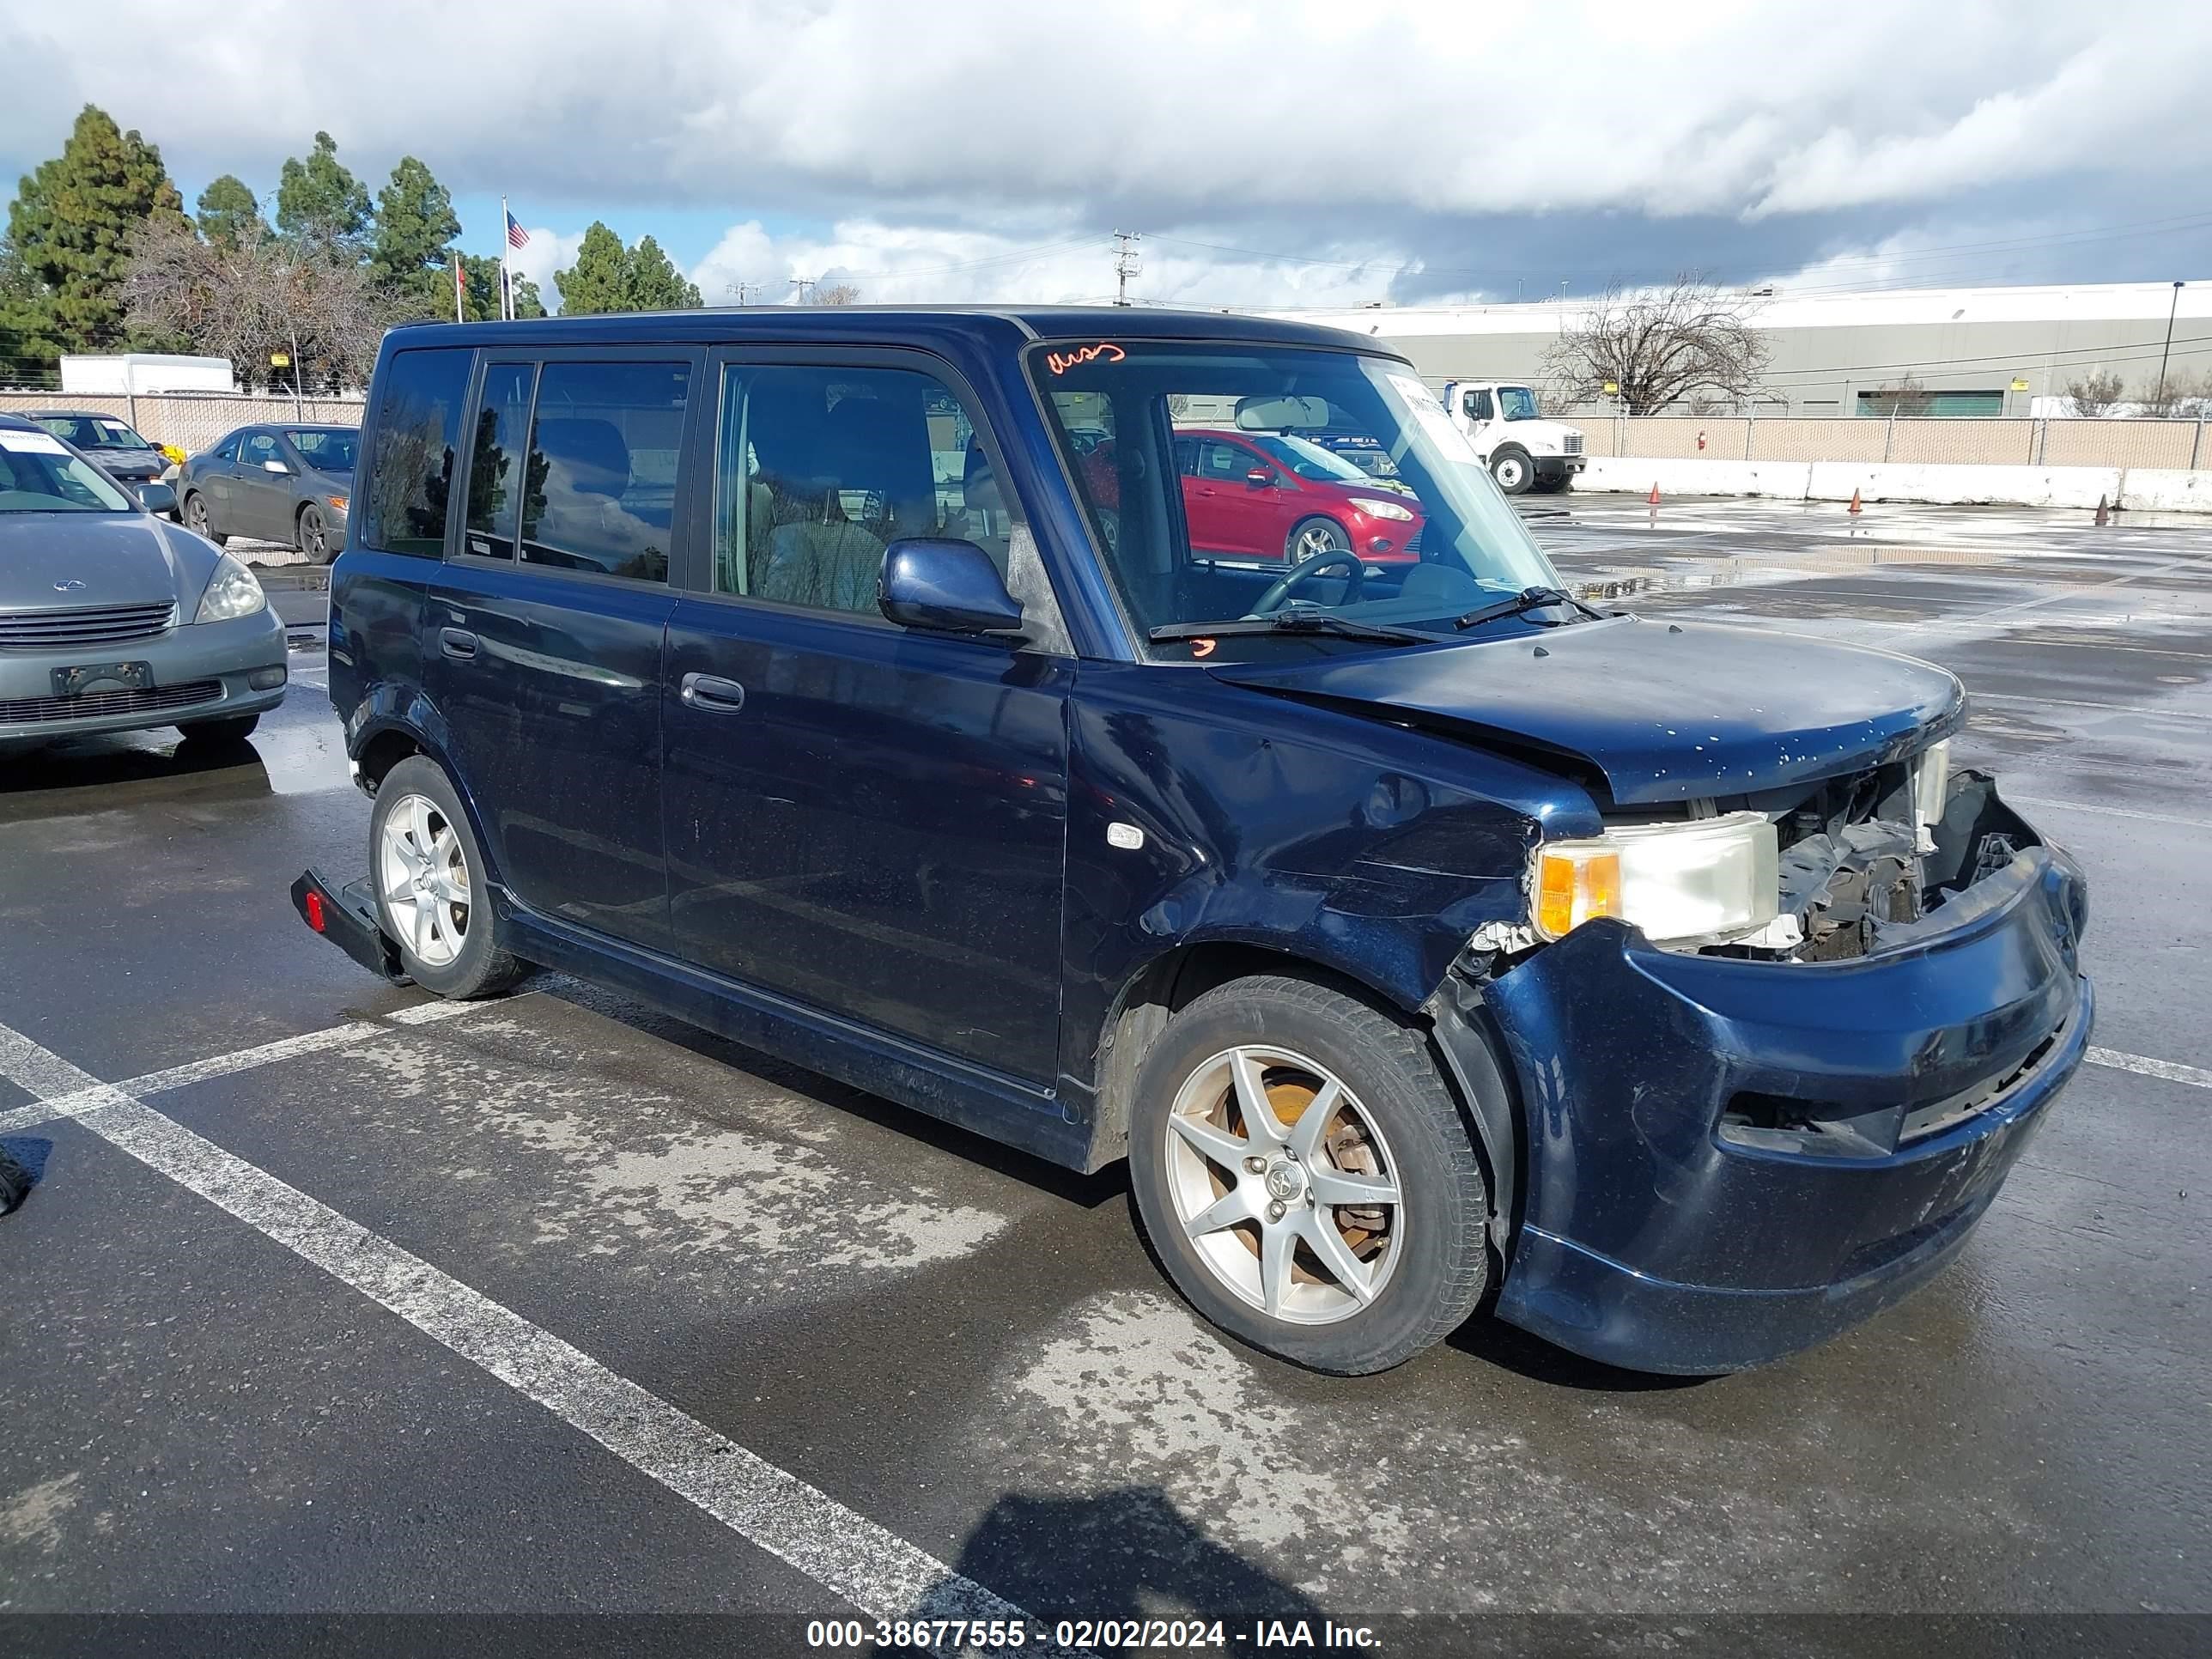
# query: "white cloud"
{"type": "Point", "coordinates": [546, 252]}
{"type": "Point", "coordinates": [1363, 126]}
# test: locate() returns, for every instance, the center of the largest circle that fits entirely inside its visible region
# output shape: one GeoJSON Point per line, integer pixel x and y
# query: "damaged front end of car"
{"type": "Point", "coordinates": [1775, 1056]}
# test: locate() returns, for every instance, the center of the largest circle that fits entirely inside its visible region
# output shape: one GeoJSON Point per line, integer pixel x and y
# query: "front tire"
{"type": "Point", "coordinates": [1305, 1176]}
{"type": "Point", "coordinates": [1310, 537]}
{"type": "Point", "coordinates": [1512, 468]}
{"type": "Point", "coordinates": [432, 894]}
{"type": "Point", "coordinates": [197, 519]}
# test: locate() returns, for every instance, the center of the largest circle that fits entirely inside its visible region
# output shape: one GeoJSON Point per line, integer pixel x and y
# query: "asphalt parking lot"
{"type": "Point", "coordinates": [330, 1299]}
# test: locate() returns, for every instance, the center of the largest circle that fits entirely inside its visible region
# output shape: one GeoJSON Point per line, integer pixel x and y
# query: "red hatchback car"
{"type": "Point", "coordinates": [1273, 495]}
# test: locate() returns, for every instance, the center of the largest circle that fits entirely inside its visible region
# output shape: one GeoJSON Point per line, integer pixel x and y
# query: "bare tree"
{"type": "Point", "coordinates": [254, 299]}
{"type": "Point", "coordinates": [2183, 396]}
{"type": "Point", "coordinates": [837, 294]}
{"type": "Point", "coordinates": [1662, 345]}
{"type": "Point", "coordinates": [2093, 395]}
{"type": "Point", "coordinates": [1907, 396]}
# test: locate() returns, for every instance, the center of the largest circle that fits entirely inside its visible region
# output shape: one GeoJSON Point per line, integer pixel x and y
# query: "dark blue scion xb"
{"type": "Point", "coordinates": [875, 688]}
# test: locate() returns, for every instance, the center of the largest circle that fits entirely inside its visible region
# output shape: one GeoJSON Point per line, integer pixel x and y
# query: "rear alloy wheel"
{"type": "Point", "coordinates": [1304, 1176]}
{"type": "Point", "coordinates": [312, 535]}
{"type": "Point", "coordinates": [1512, 468]}
{"type": "Point", "coordinates": [1310, 537]}
{"type": "Point", "coordinates": [430, 895]}
{"type": "Point", "coordinates": [196, 522]}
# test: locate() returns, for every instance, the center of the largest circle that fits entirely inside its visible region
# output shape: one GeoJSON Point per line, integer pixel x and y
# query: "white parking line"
{"type": "Point", "coordinates": [2110, 812]}
{"type": "Point", "coordinates": [2172, 1071]}
{"type": "Point", "coordinates": [865, 1564]}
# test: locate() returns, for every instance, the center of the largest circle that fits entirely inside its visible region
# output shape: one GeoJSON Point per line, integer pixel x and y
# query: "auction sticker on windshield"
{"type": "Point", "coordinates": [31, 443]}
{"type": "Point", "coordinates": [1434, 421]}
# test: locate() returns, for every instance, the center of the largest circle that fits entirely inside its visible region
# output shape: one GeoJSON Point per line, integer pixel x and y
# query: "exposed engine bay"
{"type": "Point", "coordinates": [1864, 857]}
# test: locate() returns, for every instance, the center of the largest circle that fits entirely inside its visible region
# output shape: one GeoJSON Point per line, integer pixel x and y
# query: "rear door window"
{"type": "Point", "coordinates": [598, 492]}
{"type": "Point", "coordinates": [411, 464]}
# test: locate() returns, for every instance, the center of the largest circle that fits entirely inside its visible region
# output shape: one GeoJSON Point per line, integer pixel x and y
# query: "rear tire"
{"type": "Point", "coordinates": [1310, 537]}
{"type": "Point", "coordinates": [197, 520]}
{"type": "Point", "coordinates": [432, 895]}
{"type": "Point", "coordinates": [237, 729]}
{"type": "Point", "coordinates": [311, 534]}
{"type": "Point", "coordinates": [1355, 1287]}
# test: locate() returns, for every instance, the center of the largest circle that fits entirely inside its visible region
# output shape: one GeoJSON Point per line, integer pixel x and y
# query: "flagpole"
{"type": "Point", "coordinates": [460, 284]}
{"type": "Point", "coordinates": [506, 281]}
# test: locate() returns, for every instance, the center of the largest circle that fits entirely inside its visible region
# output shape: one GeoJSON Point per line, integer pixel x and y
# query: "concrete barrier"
{"type": "Point", "coordinates": [2144, 489]}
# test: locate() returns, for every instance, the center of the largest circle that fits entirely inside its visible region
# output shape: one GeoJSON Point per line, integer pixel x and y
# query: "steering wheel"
{"type": "Point", "coordinates": [1279, 591]}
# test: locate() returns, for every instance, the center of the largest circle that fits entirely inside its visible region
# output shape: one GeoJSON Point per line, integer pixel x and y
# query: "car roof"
{"type": "Point", "coordinates": [71, 414]}
{"type": "Point", "coordinates": [985, 326]}
{"type": "Point", "coordinates": [15, 422]}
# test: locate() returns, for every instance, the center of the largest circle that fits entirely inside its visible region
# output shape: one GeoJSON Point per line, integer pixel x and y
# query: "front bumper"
{"type": "Point", "coordinates": [1553, 468]}
{"type": "Point", "coordinates": [1663, 1229]}
{"type": "Point", "coordinates": [201, 672]}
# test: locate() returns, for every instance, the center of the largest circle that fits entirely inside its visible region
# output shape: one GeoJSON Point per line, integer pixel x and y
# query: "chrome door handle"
{"type": "Point", "coordinates": [458, 643]}
{"type": "Point", "coordinates": [713, 694]}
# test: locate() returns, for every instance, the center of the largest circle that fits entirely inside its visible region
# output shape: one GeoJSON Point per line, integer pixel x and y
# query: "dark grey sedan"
{"type": "Point", "coordinates": [273, 483]}
{"type": "Point", "coordinates": [114, 444]}
{"type": "Point", "coordinates": [111, 619]}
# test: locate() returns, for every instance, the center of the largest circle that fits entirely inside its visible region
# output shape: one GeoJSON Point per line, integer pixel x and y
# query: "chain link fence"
{"type": "Point", "coordinates": [1903, 439]}
{"type": "Point", "coordinates": [192, 421]}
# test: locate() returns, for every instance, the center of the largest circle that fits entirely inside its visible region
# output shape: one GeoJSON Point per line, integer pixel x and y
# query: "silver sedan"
{"type": "Point", "coordinates": [112, 619]}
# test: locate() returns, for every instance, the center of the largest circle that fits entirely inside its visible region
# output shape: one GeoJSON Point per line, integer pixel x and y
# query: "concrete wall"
{"type": "Point", "coordinates": [2141, 489]}
{"type": "Point", "coordinates": [2177, 445]}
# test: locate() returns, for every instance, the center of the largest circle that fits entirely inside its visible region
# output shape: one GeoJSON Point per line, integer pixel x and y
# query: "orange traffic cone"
{"type": "Point", "coordinates": [2104, 517]}
{"type": "Point", "coordinates": [1654, 497]}
{"type": "Point", "coordinates": [1855, 509]}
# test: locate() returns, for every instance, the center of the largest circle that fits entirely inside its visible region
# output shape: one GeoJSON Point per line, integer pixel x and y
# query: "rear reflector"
{"type": "Point", "coordinates": [316, 918]}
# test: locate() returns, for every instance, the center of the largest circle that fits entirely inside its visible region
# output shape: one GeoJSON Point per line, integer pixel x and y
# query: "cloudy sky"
{"type": "Point", "coordinates": [1271, 154]}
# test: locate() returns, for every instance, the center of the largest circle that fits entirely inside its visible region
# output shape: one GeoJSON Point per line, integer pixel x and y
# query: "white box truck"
{"type": "Point", "coordinates": [1522, 450]}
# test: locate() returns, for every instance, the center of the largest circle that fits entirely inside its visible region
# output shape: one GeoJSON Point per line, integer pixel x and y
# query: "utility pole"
{"type": "Point", "coordinates": [806, 287]}
{"type": "Point", "coordinates": [744, 291]}
{"type": "Point", "coordinates": [1127, 262]}
{"type": "Point", "coordinates": [2172, 307]}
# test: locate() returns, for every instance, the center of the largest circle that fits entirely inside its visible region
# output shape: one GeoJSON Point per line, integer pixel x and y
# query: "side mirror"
{"type": "Point", "coordinates": [277, 467]}
{"type": "Point", "coordinates": [950, 586]}
{"type": "Point", "coordinates": [1259, 477]}
{"type": "Point", "coordinates": [157, 497]}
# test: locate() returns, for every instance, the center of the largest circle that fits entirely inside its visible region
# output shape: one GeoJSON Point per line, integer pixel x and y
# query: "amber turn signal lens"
{"type": "Point", "coordinates": [1574, 883]}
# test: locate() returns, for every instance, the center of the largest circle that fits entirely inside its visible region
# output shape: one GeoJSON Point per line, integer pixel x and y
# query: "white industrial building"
{"type": "Point", "coordinates": [1982, 351]}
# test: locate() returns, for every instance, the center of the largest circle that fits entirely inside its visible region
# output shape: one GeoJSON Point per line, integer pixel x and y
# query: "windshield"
{"type": "Point", "coordinates": [1309, 460]}
{"type": "Point", "coordinates": [1186, 544]}
{"type": "Point", "coordinates": [37, 475]}
{"type": "Point", "coordinates": [1517, 402]}
{"type": "Point", "coordinates": [326, 451]}
{"type": "Point", "coordinates": [93, 431]}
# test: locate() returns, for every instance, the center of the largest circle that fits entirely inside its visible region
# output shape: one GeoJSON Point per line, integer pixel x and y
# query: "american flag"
{"type": "Point", "coordinates": [516, 235]}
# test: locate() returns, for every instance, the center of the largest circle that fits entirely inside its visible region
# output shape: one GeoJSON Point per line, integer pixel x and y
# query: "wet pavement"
{"type": "Point", "coordinates": [228, 1390]}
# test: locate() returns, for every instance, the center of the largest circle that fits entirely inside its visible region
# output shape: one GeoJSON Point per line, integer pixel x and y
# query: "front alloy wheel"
{"type": "Point", "coordinates": [1284, 1184]}
{"type": "Point", "coordinates": [1305, 1176]}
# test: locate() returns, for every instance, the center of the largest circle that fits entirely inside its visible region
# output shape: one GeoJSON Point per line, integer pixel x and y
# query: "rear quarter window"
{"type": "Point", "coordinates": [413, 454]}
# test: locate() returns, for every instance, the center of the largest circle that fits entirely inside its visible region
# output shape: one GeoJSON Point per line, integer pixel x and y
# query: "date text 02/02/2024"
{"type": "Point", "coordinates": [1163, 1634]}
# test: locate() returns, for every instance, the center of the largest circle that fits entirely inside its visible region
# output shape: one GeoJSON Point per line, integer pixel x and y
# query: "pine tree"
{"type": "Point", "coordinates": [408, 252]}
{"type": "Point", "coordinates": [651, 281]}
{"type": "Point", "coordinates": [70, 229]}
{"type": "Point", "coordinates": [320, 204]}
{"type": "Point", "coordinates": [228, 214]}
{"type": "Point", "coordinates": [597, 281]}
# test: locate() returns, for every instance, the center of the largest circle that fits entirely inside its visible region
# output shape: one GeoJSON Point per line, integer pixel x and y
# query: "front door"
{"type": "Point", "coordinates": [859, 817]}
{"type": "Point", "coordinates": [543, 633]}
{"type": "Point", "coordinates": [262, 500]}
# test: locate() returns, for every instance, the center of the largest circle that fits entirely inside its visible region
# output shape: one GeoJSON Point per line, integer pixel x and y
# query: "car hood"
{"type": "Point", "coordinates": [121, 558]}
{"type": "Point", "coordinates": [1662, 711]}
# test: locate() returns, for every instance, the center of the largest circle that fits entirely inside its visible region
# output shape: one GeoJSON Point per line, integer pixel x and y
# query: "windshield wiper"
{"type": "Point", "coordinates": [1290, 622]}
{"type": "Point", "coordinates": [1527, 599]}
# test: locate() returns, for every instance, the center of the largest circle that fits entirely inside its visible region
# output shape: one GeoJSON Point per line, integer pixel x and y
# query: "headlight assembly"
{"type": "Point", "coordinates": [233, 592]}
{"type": "Point", "coordinates": [1696, 879]}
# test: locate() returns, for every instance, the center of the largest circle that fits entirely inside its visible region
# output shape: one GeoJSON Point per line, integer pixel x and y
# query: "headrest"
{"type": "Point", "coordinates": [590, 452]}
